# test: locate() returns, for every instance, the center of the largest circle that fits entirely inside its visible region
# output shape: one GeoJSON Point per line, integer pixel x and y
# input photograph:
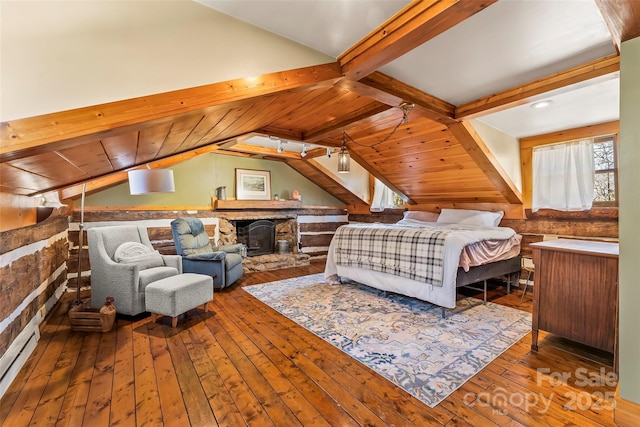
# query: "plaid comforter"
{"type": "Point", "coordinates": [414, 253]}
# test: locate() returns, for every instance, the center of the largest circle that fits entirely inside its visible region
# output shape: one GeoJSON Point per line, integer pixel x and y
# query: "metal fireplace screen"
{"type": "Point", "coordinates": [258, 236]}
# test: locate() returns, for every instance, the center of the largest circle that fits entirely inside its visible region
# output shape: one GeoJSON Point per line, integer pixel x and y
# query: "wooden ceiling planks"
{"type": "Point", "coordinates": [50, 131]}
{"type": "Point", "coordinates": [121, 149]}
{"type": "Point", "coordinates": [19, 181]}
{"type": "Point", "coordinates": [91, 158]}
{"type": "Point", "coordinates": [316, 102]}
{"type": "Point", "coordinates": [150, 141]}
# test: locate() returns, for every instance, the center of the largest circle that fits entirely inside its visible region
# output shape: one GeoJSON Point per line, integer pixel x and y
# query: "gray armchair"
{"type": "Point", "coordinates": [123, 277]}
{"type": "Point", "coordinates": [199, 256]}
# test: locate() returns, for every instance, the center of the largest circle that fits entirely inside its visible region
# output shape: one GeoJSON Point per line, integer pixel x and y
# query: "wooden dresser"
{"type": "Point", "coordinates": [575, 292]}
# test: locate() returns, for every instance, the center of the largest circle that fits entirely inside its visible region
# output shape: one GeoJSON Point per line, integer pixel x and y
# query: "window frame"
{"type": "Point", "coordinates": [528, 143]}
{"type": "Point", "coordinates": [600, 139]}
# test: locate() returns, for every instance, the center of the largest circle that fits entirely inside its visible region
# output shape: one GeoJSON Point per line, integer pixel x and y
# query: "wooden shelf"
{"type": "Point", "coordinates": [257, 204]}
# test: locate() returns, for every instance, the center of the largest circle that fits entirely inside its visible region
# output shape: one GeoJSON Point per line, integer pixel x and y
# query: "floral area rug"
{"type": "Point", "coordinates": [403, 339]}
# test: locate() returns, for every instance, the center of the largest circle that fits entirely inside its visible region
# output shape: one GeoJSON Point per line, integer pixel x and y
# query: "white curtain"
{"type": "Point", "coordinates": [563, 176]}
{"type": "Point", "coordinates": [382, 197]}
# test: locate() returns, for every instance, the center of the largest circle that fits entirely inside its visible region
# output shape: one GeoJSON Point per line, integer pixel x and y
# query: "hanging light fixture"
{"type": "Point", "coordinates": [149, 180]}
{"type": "Point", "coordinates": [343, 156]}
{"type": "Point", "coordinates": [344, 161]}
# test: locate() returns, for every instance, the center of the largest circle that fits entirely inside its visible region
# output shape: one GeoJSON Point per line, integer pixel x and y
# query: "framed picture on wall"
{"type": "Point", "coordinates": [253, 184]}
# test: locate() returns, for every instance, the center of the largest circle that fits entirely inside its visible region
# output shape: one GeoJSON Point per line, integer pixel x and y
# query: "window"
{"type": "Point", "coordinates": [605, 155]}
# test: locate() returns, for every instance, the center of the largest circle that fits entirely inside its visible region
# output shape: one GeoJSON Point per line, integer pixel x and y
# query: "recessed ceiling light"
{"type": "Point", "coordinates": [541, 104]}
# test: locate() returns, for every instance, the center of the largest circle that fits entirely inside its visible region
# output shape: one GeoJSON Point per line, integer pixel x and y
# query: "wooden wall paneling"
{"type": "Point", "coordinates": [121, 149]}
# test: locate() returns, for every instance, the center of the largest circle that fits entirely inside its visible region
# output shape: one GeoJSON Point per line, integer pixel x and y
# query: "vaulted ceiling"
{"type": "Point", "coordinates": [435, 157]}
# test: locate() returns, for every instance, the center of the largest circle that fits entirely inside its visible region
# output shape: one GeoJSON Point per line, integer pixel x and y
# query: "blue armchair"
{"type": "Point", "coordinates": [199, 256]}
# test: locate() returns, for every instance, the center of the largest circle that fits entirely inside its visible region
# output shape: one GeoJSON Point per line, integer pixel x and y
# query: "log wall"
{"type": "Point", "coordinates": [315, 229]}
{"type": "Point", "coordinates": [33, 276]}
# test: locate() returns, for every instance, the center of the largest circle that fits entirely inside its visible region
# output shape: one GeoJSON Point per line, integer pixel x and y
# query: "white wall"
{"type": "Point", "coordinates": [196, 180]}
{"type": "Point", "coordinates": [357, 180]}
{"type": "Point", "coordinates": [629, 181]}
{"type": "Point", "coordinates": [58, 55]}
{"type": "Point", "coordinates": [504, 147]}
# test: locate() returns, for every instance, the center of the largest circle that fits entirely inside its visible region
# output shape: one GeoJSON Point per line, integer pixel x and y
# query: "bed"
{"type": "Point", "coordinates": [428, 260]}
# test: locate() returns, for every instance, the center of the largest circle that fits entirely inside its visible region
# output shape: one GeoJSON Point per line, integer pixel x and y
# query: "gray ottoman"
{"type": "Point", "coordinates": [175, 295]}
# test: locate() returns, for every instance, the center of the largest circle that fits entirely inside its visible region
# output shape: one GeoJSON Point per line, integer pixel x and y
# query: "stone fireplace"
{"type": "Point", "coordinates": [259, 236]}
{"type": "Point", "coordinates": [261, 259]}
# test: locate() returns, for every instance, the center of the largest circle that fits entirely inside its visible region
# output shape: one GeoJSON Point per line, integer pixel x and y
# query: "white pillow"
{"type": "Point", "coordinates": [139, 254]}
{"type": "Point", "coordinates": [130, 249]}
{"type": "Point", "coordinates": [421, 216]}
{"type": "Point", "coordinates": [470, 217]}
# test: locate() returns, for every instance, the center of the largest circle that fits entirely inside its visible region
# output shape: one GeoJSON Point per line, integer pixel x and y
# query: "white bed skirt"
{"type": "Point", "coordinates": [444, 296]}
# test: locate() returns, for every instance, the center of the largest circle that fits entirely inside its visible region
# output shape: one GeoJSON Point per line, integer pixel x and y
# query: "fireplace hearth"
{"type": "Point", "coordinates": [258, 236]}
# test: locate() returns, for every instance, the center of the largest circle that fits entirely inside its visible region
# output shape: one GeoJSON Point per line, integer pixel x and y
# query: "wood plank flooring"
{"type": "Point", "coordinates": [244, 364]}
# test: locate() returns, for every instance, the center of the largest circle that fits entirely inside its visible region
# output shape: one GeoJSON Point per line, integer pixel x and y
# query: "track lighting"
{"type": "Point", "coordinates": [281, 146]}
{"type": "Point", "coordinates": [328, 152]}
{"type": "Point", "coordinates": [304, 150]}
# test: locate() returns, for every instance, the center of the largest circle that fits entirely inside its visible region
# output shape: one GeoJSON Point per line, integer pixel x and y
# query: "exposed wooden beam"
{"type": "Point", "coordinates": [115, 178]}
{"type": "Point", "coordinates": [373, 171]}
{"type": "Point", "coordinates": [480, 153]}
{"type": "Point", "coordinates": [262, 151]}
{"type": "Point", "coordinates": [337, 125]}
{"type": "Point", "coordinates": [599, 70]}
{"type": "Point", "coordinates": [24, 137]}
{"type": "Point", "coordinates": [414, 25]}
{"type": "Point", "coordinates": [590, 131]}
{"type": "Point", "coordinates": [622, 18]}
{"type": "Point", "coordinates": [386, 89]}
{"type": "Point", "coordinates": [528, 144]}
{"type": "Point", "coordinates": [319, 175]}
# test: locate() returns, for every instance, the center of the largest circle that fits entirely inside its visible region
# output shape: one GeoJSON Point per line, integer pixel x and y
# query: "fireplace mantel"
{"type": "Point", "coordinates": [256, 204]}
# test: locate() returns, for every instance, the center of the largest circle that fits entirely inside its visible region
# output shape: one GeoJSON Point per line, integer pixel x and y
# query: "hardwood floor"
{"type": "Point", "coordinates": [244, 364]}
